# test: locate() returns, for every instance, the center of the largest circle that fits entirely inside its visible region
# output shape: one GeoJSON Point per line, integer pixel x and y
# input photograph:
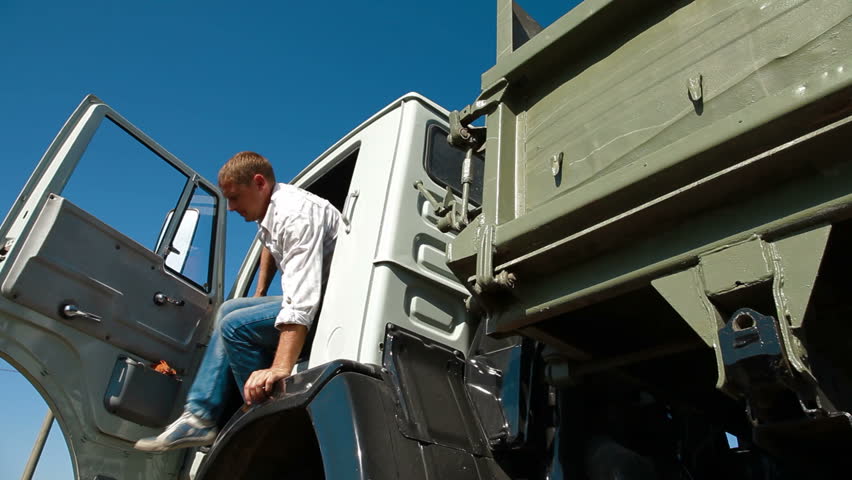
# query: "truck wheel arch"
{"type": "Point", "coordinates": [267, 446]}
{"type": "Point", "coordinates": [319, 432]}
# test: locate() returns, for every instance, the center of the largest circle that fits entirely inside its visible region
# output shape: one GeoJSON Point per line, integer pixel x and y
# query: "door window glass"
{"type": "Point", "coordinates": [133, 189]}
{"type": "Point", "coordinates": [444, 164]}
{"type": "Point", "coordinates": [192, 247]}
{"type": "Point", "coordinates": [124, 184]}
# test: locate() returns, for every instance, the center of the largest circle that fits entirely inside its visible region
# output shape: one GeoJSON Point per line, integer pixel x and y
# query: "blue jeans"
{"type": "Point", "coordinates": [244, 340]}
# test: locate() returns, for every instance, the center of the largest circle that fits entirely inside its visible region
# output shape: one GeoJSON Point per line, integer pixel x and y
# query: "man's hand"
{"type": "Point", "coordinates": [261, 382]}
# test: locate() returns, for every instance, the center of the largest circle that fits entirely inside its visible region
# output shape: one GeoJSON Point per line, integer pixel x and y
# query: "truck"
{"type": "Point", "coordinates": [618, 275]}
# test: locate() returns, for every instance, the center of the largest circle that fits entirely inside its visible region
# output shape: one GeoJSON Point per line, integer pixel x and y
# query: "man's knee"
{"type": "Point", "coordinates": [229, 327]}
{"type": "Point", "coordinates": [229, 306]}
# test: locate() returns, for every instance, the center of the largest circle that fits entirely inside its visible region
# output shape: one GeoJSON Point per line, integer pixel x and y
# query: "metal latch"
{"type": "Point", "coordinates": [5, 247]}
{"type": "Point", "coordinates": [161, 298]}
{"type": "Point", "coordinates": [462, 134]}
{"type": "Point", "coordinates": [70, 311]}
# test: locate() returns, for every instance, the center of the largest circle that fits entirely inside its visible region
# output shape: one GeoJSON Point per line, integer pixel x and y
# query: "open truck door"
{"type": "Point", "coordinates": [87, 309]}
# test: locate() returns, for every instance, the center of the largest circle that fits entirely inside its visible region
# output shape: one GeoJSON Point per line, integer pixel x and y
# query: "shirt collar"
{"type": "Point", "coordinates": [267, 220]}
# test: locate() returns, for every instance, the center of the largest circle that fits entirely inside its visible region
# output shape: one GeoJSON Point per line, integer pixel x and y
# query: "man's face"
{"type": "Point", "coordinates": [249, 200]}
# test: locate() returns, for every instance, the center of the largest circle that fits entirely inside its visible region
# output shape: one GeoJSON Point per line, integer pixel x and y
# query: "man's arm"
{"type": "Point", "coordinates": [266, 270]}
{"type": "Point", "coordinates": [261, 382]}
{"type": "Point", "coordinates": [301, 272]}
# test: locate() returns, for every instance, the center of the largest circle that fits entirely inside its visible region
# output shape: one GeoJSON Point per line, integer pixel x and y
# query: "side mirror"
{"type": "Point", "coordinates": [182, 242]}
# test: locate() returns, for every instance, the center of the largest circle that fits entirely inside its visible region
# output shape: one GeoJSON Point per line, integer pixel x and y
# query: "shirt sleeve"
{"type": "Point", "coordinates": [301, 270]}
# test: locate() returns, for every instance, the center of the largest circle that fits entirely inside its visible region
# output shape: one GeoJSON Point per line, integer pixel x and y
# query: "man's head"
{"type": "Point", "coordinates": [247, 181]}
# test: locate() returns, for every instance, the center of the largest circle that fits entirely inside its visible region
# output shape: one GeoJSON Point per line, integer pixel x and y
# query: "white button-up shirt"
{"type": "Point", "coordinates": [300, 230]}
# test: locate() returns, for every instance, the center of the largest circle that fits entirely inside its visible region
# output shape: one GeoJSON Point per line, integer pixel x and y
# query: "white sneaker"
{"type": "Point", "coordinates": [187, 431]}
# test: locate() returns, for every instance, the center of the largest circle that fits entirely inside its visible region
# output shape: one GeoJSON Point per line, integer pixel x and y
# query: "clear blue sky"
{"type": "Point", "coordinates": [208, 79]}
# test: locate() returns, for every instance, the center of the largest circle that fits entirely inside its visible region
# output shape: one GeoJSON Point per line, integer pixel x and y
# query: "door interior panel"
{"type": "Point", "coordinates": [96, 371]}
{"type": "Point", "coordinates": [72, 258]}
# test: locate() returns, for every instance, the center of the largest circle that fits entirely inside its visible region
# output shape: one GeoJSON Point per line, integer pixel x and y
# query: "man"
{"type": "Point", "coordinates": [257, 340]}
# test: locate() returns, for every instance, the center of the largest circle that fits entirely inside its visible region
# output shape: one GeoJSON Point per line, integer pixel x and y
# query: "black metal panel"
{"type": "Point", "coordinates": [252, 442]}
{"type": "Point", "coordinates": [791, 418]}
{"type": "Point", "coordinates": [346, 420]}
{"type": "Point", "coordinates": [339, 422]}
{"type": "Point", "coordinates": [449, 463]}
{"type": "Point", "coordinates": [353, 417]}
{"type": "Point", "coordinates": [445, 463]}
{"type": "Point", "coordinates": [756, 366]}
{"type": "Point", "coordinates": [432, 401]}
{"type": "Point", "coordinates": [497, 377]}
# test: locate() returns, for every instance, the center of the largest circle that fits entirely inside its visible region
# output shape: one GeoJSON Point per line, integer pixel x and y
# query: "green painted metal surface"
{"type": "Point", "coordinates": [663, 113]}
{"type": "Point", "coordinates": [667, 202]}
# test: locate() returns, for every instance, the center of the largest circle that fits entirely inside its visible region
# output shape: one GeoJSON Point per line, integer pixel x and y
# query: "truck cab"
{"type": "Point", "coordinates": [88, 310]}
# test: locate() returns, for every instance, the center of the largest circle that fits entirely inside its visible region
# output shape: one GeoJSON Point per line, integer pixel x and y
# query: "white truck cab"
{"type": "Point", "coordinates": [89, 307]}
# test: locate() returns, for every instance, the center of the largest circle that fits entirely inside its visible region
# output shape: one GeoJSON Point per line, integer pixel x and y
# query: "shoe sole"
{"type": "Point", "coordinates": [181, 443]}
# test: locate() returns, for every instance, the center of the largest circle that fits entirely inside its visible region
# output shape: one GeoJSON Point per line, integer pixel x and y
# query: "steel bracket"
{"type": "Point", "coordinates": [462, 134]}
{"type": "Point", "coordinates": [453, 216]}
{"type": "Point", "coordinates": [486, 280]}
{"type": "Point", "coordinates": [758, 367]}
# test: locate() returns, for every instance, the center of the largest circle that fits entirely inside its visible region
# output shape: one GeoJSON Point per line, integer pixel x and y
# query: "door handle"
{"type": "Point", "coordinates": [348, 208]}
{"type": "Point", "coordinates": [69, 311]}
{"type": "Point", "coordinates": [161, 298]}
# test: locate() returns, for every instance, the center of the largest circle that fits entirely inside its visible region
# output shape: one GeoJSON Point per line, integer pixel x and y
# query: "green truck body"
{"type": "Point", "coordinates": [665, 203]}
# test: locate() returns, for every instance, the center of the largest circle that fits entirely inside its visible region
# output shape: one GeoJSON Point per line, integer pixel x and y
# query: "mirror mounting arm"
{"type": "Point", "coordinates": [452, 215]}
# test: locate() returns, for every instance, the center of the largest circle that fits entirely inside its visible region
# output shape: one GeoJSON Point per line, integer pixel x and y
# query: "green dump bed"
{"type": "Point", "coordinates": [652, 166]}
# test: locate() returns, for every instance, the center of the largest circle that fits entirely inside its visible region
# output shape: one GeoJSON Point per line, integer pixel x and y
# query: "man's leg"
{"type": "Point", "coordinates": [209, 391]}
{"type": "Point", "coordinates": [214, 381]}
{"type": "Point", "coordinates": [250, 338]}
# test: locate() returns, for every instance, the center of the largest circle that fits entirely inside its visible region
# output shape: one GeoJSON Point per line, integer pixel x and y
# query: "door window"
{"type": "Point", "coordinates": [192, 248]}
{"type": "Point", "coordinates": [124, 184]}
{"type": "Point", "coordinates": [128, 186]}
{"type": "Point", "coordinates": [444, 164]}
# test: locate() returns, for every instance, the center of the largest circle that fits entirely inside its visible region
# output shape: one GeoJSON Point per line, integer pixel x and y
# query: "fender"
{"type": "Point", "coordinates": [410, 419]}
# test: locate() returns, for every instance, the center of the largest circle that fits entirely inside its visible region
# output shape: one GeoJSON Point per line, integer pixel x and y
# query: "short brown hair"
{"type": "Point", "coordinates": [243, 166]}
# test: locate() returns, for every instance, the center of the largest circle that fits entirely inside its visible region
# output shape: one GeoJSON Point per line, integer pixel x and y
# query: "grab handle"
{"type": "Point", "coordinates": [348, 209]}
